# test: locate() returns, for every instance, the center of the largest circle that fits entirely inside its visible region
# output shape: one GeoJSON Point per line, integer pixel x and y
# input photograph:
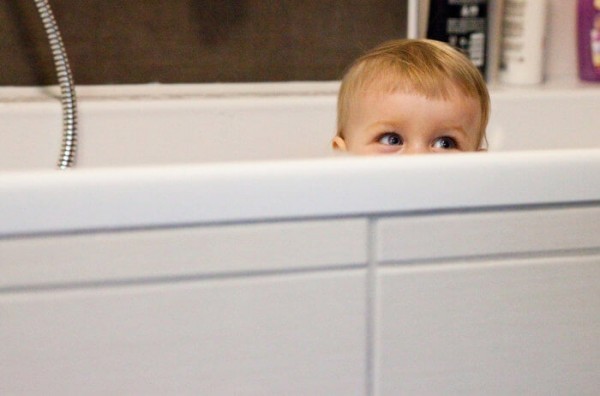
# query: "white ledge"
{"type": "Point", "coordinates": [95, 199]}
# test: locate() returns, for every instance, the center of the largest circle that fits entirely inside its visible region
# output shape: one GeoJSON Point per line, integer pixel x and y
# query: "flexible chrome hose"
{"type": "Point", "coordinates": [67, 87]}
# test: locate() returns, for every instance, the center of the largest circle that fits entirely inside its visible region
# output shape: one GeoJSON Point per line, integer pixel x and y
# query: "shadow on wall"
{"type": "Point", "coordinates": [186, 41]}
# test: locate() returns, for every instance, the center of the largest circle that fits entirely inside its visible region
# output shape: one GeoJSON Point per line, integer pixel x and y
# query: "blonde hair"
{"type": "Point", "coordinates": [427, 67]}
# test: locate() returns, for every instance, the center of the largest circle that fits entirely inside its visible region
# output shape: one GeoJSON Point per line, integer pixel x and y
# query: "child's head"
{"type": "Point", "coordinates": [412, 96]}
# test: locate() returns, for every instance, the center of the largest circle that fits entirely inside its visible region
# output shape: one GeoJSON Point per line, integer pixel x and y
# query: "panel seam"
{"type": "Point", "coordinates": [371, 310]}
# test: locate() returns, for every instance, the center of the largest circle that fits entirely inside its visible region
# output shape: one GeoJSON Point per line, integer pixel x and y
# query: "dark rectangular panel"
{"type": "Point", "coordinates": [186, 41]}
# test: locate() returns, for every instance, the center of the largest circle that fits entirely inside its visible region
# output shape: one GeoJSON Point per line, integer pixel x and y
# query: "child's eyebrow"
{"type": "Point", "coordinates": [457, 128]}
{"type": "Point", "coordinates": [385, 123]}
{"type": "Point", "coordinates": [453, 127]}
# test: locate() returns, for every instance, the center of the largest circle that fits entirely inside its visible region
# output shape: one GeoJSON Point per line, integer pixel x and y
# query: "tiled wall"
{"type": "Point", "coordinates": [181, 41]}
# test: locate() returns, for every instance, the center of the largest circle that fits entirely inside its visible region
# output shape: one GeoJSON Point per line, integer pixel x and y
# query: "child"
{"type": "Point", "coordinates": [412, 96]}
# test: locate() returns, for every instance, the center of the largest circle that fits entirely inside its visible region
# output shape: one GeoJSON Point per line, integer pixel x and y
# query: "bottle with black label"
{"type": "Point", "coordinates": [464, 25]}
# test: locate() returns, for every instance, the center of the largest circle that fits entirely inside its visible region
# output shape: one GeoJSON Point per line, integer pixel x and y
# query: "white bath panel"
{"type": "Point", "coordinates": [301, 334]}
{"type": "Point", "coordinates": [508, 232]}
{"type": "Point", "coordinates": [490, 328]}
{"type": "Point", "coordinates": [179, 253]}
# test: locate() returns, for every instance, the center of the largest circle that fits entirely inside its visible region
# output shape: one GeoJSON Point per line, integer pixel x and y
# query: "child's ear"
{"type": "Point", "coordinates": [338, 143]}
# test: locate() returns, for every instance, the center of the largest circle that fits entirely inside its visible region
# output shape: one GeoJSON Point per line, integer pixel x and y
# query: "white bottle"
{"type": "Point", "coordinates": [523, 41]}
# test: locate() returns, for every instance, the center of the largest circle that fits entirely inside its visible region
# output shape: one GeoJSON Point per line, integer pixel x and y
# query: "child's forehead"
{"type": "Point", "coordinates": [383, 85]}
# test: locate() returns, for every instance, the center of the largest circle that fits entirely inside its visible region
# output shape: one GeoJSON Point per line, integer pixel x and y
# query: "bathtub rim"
{"type": "Point", "coordinates": [95, 199]}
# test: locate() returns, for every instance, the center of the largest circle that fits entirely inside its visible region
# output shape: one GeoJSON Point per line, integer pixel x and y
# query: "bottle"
{"type": "Point", "coordinates": [588, 39]}
{"type": "Point", "coordinates": [523, 42]}
{"type": "Point", "coordinates": [462, 24]}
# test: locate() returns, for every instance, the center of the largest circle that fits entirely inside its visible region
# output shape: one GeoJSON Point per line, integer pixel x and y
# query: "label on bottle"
{"type": "Point", "coordinates": [462, 24]}
{"type": "Point", "coordinates": [513, 31]}
{"type": "Point", "coordinates": [595, 40]}
{"type": "Point", "coordinates": [588, 39]}
{"type": "Point", "coordinates": [523, 38]}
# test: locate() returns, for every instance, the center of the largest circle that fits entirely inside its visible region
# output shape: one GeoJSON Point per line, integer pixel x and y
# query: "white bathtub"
{"type": "Point", "coordinates": [209, 242]}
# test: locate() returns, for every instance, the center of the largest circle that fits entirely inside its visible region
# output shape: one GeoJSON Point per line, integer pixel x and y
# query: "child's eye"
{"type": "Point", "coordinates": [445, 142]}
{"type": "Point", "coordinates": [390, 139]}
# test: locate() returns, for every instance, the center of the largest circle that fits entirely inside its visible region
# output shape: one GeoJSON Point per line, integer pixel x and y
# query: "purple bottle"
{"type": "Point", "coordinates": [588, 39]}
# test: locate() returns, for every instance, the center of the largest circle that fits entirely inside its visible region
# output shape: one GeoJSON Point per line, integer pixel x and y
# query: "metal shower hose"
{"type": "Point", "coordinates": [67, 87]}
